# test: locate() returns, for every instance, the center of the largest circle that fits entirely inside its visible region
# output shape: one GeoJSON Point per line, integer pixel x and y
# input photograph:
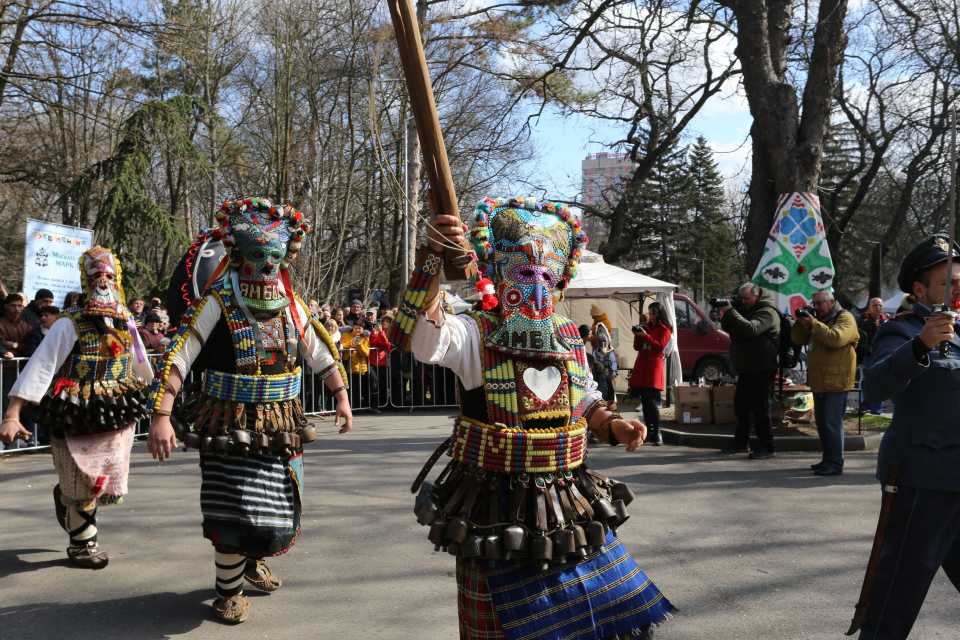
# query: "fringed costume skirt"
{"type": "Point", "coordinates": [251, 506]}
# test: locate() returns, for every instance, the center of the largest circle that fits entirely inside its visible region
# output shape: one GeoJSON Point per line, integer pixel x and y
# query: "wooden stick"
{"type": "Point", "coordinates": [457, 264]}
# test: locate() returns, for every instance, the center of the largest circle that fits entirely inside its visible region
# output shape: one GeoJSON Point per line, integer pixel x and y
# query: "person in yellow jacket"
{"type": "Point", "coordinates": [356, 356]}
{"type": "Point", "coordinates": [831, 368]}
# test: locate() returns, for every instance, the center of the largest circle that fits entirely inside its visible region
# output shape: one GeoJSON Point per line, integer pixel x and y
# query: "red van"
{"type": "Point", "coordinates": [704, 349]}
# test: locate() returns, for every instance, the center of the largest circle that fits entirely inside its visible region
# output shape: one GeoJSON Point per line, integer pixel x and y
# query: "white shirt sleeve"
{"type": "Point", "coordinates": [46, 361]}
{"type": "Point", "coordinates": [203, 324]}
{"type": "Point", "coordinates": [143, 369]}
{"type": "Point", "coordinates": [454, 343]}
{"type": "Point", "coordinates": [319, 357]}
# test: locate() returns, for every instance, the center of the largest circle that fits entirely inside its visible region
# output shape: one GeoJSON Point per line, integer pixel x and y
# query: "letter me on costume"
{"type": "Point", "coordinates": [86, 384]}
{"type": "Point", "coordinates": [247, 335]}
{"type": "Point", "coordinates": [532, 528]}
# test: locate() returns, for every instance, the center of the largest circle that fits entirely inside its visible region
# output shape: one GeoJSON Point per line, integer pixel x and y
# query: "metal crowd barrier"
{"type": "Point", "coordinates": [400, 383]}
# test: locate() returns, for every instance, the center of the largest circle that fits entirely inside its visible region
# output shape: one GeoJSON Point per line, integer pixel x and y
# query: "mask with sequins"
{"type": "Point", "coordinates": [529, 250]}
{"type": "Point", "coordinates": [261, 240]}
{"type": "Point", "coordinates": [100, 274]}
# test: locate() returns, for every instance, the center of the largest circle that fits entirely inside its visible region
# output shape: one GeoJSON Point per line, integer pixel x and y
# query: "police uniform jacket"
{"type": "Point", "coordinates": [925, 431]}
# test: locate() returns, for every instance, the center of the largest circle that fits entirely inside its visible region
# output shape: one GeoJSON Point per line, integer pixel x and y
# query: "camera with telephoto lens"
{"type": "Point", "coordinates": [803, 312]}
{"type": "Point", "coordinates": [732, 300]}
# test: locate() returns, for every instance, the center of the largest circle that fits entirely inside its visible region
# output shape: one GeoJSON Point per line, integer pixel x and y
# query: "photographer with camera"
{"type": "Point", "coordinates": [831, 368]}
{"type": "Point", "coordinates": [648, 376]}
{"type": "Point", "coordinates": [753, 323]}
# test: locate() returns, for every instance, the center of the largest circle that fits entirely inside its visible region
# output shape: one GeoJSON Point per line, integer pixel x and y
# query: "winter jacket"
{"type": "Point", "coordinates": [380, 348]}
{"type": "Point", "coordinates": [357, 355]}
{"type": "Point", "coordinates": [648, 370]}
{"type": "Point", "coordinates": [151, 340]}
{"type": "Point", "coordinates": [754, 335]}
{"type": "Point", "coordinates": [832, 356]}
{"type": "Point", "coordinates": [869, 325]}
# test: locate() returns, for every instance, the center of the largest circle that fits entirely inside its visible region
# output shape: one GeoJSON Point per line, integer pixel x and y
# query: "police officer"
{"type": "Point", "coordinates": [923, 530]}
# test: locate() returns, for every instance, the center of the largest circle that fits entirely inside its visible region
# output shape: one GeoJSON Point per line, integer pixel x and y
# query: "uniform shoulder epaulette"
{"type": "Point", "coordinates": [905, 314]}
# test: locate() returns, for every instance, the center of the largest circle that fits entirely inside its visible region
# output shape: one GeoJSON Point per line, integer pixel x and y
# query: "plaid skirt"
{"type": "Point", "coordinates": [603, 597]}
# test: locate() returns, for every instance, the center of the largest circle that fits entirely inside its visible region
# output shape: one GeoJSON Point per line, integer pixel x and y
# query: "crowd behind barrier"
{"type": "Point", "coordinates": [403, 383]}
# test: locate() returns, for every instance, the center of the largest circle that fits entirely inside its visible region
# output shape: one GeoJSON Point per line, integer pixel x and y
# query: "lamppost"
{"type": "Point", "coordinates": [879, 264]}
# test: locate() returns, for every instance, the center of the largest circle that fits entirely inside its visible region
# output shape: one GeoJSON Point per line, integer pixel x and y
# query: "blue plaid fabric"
{"type": "Point", "coordinates": [604, 595]}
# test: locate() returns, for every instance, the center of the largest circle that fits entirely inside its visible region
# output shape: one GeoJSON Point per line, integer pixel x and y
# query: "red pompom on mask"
{"type": "Point", "coordinates": [488, 299]}
{"type": "Point", "coordinates": [801, 269]}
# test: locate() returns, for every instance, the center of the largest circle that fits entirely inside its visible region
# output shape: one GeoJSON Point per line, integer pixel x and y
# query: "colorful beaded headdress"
{"type": "Point", "coordinates": [101, 278]}
{"type": "Point", "coordinates": [483, 242]}
{"type": "Point", "coordinates": [528, 249]}
{"type": "Point", "coordinates": [261, 241]}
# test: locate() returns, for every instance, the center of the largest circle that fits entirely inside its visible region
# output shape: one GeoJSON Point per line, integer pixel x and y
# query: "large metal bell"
{"type": "Point", "coordinates": [604, 512]}
{"type": "Point", "coordinates": [191, 440]}
{"type": "Point", "coordinates": [596, 536]}
{"type": "Point", "coordinates": [514, 542]}
{"type": "Point", "coordinates": [282, 442]}
{"type": "Point", "coordinates": [622, 515]}
{"type": "Point", "coordinates": [241, 441]}
{"type": "Point", "coordinates": [472, 546]}
{"type": "Point", "coordinates": [453, 548]}
{"type": "Point", "coordinates": [437, 534]}
{"type": "Point", "coordinates": [564, 544]}
{"type": "Point", "coordinates": [580, 537]}
{"type": "Point", "coordinates": [206, 444]}
{"type": "Point", "coordinates": [621, 491]}
{"type": "Point", "coordinates": [425, 507]}
{"type": "Point", "coordinates": [457, 530]}
{"type": "Point", "coordinates": [222, 444]}
{"type": "Point", "coordinates": [262, 442]}
{"type": "Point", "coordinates": [307, 434]}
{"type": "Point", "coordinates": [541, 550]}
{"type": "Point", "coordinates": [493, 547]}
{"type": "Point", "coordinates": [179, 428]}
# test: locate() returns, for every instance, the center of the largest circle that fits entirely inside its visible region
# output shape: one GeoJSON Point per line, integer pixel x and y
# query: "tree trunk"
{"type": "Point", "coordinates": [787, 141]}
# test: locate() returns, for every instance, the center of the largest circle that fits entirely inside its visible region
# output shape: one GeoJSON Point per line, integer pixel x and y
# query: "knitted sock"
{"type": "Point", "coordinates": [230, 568]}
{"type": "Point", "coordinates": [82, 525]}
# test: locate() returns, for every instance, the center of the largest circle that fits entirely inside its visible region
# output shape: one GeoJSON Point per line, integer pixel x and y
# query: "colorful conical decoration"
{"type": "Point", "coordinates": [796, 259]}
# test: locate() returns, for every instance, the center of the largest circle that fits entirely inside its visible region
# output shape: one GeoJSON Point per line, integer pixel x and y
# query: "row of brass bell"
{"type": "Point", "coordinates": [69, 411]}
{"type": "Point", "coordinates": [244, 442]}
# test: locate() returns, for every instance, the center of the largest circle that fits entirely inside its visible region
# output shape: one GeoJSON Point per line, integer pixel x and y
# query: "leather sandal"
{"type": "Point", "coordinates": [88, 556]}
{"type": "Point", "coordinates": [59, 508]}
{"type": "Point", "coordinates": [260, 576]}
{"type": "Point", "coordinates": [232, 610]}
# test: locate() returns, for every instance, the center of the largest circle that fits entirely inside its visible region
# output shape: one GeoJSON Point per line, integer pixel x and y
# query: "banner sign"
{"type": "Point", "coordinates": [796, 260]}
{"type": "Point", "coordinates": [52, 257]}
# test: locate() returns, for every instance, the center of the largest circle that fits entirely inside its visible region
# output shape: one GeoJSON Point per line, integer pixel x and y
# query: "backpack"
{"type": "Point", "coordinates": [788, 353]}
{"type": "Point", "coordinates": [863, 346]}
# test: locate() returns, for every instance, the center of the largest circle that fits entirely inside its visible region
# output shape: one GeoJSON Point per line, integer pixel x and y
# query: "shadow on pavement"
{"type": "Point", "coordinates": [11, 561]}
{"type": "Point", "coordinates": [155, 616]}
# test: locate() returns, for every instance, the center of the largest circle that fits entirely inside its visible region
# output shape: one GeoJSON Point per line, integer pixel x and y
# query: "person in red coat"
{"type": "Point", "coordinates": [648, 375]}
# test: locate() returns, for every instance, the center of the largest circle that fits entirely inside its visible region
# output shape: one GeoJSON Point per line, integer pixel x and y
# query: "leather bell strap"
{"type": "Point", "coordinates": [429, 465]}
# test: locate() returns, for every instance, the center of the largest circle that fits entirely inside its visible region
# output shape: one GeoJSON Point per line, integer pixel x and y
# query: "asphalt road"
{"type": "Point", "coordinates": [746, 549]}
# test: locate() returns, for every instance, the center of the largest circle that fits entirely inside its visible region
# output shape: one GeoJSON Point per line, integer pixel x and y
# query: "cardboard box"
{"type": "Point", "coordinates": [723, 412]}
{"type": "Point", "coordinates": [724, 393]}
{"type": "Point", "coordinates": [693, 405]}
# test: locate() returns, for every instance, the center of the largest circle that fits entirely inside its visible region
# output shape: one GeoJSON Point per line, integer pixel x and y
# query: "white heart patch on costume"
{"type": "Point", "coordinates": [543, 383]}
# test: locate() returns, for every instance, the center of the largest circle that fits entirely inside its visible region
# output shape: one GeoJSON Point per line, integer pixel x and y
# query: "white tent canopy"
{"type": "Point", "coordinates": [595, 278]}
{"type": "Point", "coordinates": [891, 305]}
{"type": "Point", "coordinates": [618, 293]}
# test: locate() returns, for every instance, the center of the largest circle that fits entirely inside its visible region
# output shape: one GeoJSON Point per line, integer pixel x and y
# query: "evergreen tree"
{"type": "Point", "coordinates": [660, 214]}
{"type": "Point", "coordinates": [704, 235]}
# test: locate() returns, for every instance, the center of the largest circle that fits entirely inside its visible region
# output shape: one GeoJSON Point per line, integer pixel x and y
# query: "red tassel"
{"type": "Point", "coordinates": [489, 301]}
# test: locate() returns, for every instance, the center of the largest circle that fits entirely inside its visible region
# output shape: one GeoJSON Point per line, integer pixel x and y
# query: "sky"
{"type": "Point", "coordinates": [724, 121]}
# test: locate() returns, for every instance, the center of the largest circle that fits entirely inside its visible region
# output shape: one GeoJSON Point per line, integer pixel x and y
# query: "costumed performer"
{"type": "Point", "coordinates": [532, 528]}
{"type": "Point", "coordinates": [86, 383]}
{"type": "Point", "coordinates": [247, 334]}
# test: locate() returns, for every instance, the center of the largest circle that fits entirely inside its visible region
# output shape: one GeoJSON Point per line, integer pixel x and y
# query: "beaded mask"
{"type": "Point", "coordinates": [261, 241]}
{"type": "Point", "coordinates": [100, 276]}
{"type": "Point", "coordinates": [529, 250]}
{"type": "Point", "coordinates": [604, 343]}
